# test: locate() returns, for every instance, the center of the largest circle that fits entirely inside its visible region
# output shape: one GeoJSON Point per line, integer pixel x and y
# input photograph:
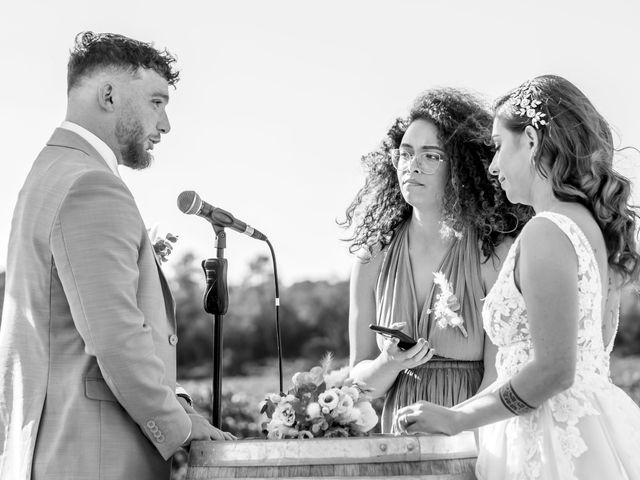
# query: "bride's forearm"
{"type": "Point", "coordinates": [524, 392]}
{"type": "Point", "coordinates": [481, 392]}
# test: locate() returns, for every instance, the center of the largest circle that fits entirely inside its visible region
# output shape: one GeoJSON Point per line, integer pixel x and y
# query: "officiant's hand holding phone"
{"type": "Point", "coordinates": [404, 340]}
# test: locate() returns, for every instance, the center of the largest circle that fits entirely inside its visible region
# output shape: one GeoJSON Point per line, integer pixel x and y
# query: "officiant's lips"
{"type": "Point", "coordinates": [410, 182]}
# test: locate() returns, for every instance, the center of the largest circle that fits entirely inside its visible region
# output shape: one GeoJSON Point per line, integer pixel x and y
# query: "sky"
{"type": "Point", "coordinates": [278, 100]}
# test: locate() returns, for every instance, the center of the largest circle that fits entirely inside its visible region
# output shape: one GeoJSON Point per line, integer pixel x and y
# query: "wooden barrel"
{"type": "Point", "coordinates": [433, 457]}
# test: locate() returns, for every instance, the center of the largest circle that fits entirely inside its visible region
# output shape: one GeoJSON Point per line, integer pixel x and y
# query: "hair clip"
{"type": "Point", "coordinates": [525, 105]}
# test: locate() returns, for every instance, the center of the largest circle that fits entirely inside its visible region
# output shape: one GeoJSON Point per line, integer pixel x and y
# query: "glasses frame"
{"type": "Point", "coordinates": [418, 157]}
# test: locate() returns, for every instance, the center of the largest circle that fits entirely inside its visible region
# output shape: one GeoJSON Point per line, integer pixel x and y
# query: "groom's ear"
{"type": "Point", "coordinates": [105, 96]}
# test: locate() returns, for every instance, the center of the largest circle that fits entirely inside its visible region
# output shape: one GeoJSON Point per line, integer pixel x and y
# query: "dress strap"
{"type": "Point", "coordinates": [577, 237]}
{"type": "Point", "coordinates": [587, 263]}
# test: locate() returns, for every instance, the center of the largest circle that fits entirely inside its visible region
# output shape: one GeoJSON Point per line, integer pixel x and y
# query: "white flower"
{"type": "Point", "coordinates": [281, 432]}
{"type": "Point", "coordinates": [274, 398]}
{"type": "Point", "coordinates": [367, 418]}
{"type": "Point", "coordinates": [344, 404]}
{"type": "Point", "coordinates": [314, 410]}
{"type": "Point", "coordinates": [456, 321]}
{"type": "Point", "coordinates": [352, 392]}
{"type": "Point", "coordinates": [329, 399]}
{"type": "Point", "coordinates": [314, 376]}
{"type": "Point", "coordinates": [337, 378]}
{"type": "Point", "coordinates": [285, 414]}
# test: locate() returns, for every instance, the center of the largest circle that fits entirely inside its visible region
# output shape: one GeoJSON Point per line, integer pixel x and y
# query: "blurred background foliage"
{"type": "Point", "coordinates": [313, 319]}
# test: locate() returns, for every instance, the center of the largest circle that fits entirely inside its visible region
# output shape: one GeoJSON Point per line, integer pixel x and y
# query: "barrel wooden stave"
{"type": "Point", "coordinates": [430, 457]}
{"type": "Point", "coordinates": [455, 469]}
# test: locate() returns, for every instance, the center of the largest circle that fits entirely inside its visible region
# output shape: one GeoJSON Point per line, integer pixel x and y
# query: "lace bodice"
{"type": "Point", "coordinates": [505, 313]}
{"type": "Point", "coordinates": [507, 325]}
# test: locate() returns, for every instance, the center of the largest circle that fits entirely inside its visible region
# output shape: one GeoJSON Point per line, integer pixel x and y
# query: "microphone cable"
{"type": "Point", "coordinates": [277, 314]}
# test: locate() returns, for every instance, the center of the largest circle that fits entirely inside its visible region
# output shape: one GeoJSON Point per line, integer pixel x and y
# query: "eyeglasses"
{"type": "Point", "coordinates": [428, 162]}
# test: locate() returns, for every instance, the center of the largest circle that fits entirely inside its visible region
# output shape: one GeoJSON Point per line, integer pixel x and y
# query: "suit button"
{"type": "Point", "coordinates": [151, 424]}
{"type": "Point", "coordinates": [173, 339]}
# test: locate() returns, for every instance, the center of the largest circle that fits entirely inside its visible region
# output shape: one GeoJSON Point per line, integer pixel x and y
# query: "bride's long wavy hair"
{"type": "Point", "coordinates": [577, 154]}
{"type": "Point", "coordinates": [472, 198]}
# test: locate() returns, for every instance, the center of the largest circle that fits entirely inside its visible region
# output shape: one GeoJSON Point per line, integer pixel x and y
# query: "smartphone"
{"type": "Point", "coordinates": [405, 340]}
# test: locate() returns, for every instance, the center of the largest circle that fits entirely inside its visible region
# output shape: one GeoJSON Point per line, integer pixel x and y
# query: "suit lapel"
{"type": "Point", "coordinates": [168, 296]}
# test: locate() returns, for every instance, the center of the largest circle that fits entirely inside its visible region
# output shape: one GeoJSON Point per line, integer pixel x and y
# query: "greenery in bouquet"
{"type": "Point", "coordinates": [320, 403]}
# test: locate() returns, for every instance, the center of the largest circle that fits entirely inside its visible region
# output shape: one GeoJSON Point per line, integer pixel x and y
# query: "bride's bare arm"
{"type": "Point", "coordinates": [548, 281]}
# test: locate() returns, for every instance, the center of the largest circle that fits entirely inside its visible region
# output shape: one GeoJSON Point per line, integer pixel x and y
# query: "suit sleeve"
{"type": "Point", "coordinates": [95, 243]}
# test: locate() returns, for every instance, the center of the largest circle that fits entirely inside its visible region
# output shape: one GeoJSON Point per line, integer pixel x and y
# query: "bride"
{"type": "Point", "coordinates": [553, 412]}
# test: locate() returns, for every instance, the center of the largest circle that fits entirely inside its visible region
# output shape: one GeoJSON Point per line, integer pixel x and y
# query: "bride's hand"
{"type": "Point", "coordinates": [427, 418]}
{"type": "Point", "coordinates": [412, 357]}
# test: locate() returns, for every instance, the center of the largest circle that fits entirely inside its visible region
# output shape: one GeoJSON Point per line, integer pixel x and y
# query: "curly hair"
{"type": "Point", "coordinates": [577, 153]}
{"type": "Point", "coordinates": [93, 51]}
{"type": "Point", "coordinates": [472, 199]}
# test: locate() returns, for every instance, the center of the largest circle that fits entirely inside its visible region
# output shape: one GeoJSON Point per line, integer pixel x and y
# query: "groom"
{"type": "Point", "coordinates": [88, 335]}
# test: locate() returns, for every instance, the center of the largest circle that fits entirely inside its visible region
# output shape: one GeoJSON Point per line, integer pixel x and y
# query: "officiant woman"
{"type": "Point", "coordinates": [430, 230]}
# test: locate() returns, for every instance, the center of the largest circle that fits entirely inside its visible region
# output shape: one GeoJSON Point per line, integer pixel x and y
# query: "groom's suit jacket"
{"type": "Point", "coordinates": [87, 340]}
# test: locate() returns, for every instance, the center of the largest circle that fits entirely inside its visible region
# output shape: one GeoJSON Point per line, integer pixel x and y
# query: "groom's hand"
{"type": "Point", "coordinates": [201, 429]}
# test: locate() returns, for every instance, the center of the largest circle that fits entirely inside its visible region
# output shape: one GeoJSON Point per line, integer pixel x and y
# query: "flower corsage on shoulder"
{"type": "Point", "coordinates": [320, 403]}
{"type": "Point", "coordinates": [446, 307]}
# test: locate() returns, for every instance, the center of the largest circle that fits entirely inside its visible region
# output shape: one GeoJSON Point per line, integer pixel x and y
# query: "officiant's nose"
{"type": "Point", "coordinates": [493, 168]}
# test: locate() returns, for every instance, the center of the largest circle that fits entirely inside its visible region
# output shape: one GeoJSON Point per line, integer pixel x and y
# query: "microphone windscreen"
{"type": "Point", "coordinates": [189, 202]}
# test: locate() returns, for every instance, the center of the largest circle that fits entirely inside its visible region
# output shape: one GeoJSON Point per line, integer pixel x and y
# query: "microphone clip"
{"type": "Point", "coordinates": [216, 294]}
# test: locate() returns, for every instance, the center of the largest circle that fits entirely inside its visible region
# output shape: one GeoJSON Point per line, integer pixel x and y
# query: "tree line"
{"type": "Point", "coordinates": [313, 318]}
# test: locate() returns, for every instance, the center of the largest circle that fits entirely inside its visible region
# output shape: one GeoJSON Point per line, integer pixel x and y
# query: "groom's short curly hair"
{"type": "Point", "coordinates": [93, 51]}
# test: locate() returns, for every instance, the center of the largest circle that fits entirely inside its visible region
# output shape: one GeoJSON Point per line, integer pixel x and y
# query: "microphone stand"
{"type": "Point", "coordinates": [216, 303]}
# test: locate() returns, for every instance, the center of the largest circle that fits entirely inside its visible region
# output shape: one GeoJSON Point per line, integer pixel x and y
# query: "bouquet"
{"type": "Point", "coordinates": [321, 403]}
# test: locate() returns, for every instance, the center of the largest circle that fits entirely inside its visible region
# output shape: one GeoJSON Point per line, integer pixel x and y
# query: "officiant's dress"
{"type": "Point", "coordinates": [457, 372]}
{"type": "Point", "coordinates": [589, 431]}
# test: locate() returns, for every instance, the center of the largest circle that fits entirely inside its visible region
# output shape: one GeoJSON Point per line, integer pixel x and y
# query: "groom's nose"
{"type": "Point", "coordinates": [163, 123]}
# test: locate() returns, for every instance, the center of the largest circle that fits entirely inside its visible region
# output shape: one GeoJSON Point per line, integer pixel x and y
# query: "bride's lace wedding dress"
{"type": "Point", "coordinates": [591, 430]}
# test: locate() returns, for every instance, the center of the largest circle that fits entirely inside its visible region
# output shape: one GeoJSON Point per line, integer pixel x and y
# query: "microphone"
{"type": "Point", "coordinates": [189, 202]}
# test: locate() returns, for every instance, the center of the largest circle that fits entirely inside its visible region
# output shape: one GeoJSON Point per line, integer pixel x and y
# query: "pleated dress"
{"type": "Point", "coordinates": [457, 371]}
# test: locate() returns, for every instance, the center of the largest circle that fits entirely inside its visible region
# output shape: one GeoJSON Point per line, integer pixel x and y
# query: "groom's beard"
{"type": "Point", "coordinates": [131, 142]}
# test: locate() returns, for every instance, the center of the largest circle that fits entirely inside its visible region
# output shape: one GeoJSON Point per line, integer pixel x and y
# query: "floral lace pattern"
{"type": "Point", "coordinates": [506, 323]}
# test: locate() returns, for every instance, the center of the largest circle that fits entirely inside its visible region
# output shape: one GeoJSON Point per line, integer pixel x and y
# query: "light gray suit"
{"type": "Point", "coordinates": [87, 342]}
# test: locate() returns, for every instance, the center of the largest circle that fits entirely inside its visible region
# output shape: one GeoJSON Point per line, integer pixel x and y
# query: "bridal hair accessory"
{"type": "Point", "coordinates": [526, 104]}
